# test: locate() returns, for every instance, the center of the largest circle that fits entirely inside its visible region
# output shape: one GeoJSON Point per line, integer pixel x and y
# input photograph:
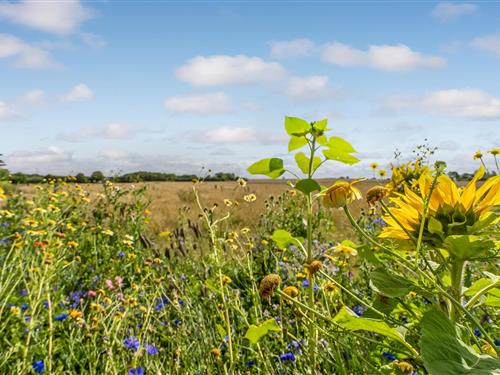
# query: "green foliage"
{"type": "Point", "coordinates": [255, 333]}
{"type": "Point", "coordinates": [444, 353]}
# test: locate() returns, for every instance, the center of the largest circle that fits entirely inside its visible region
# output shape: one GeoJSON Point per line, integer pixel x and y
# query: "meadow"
{"type": "Point", "coordinates": [303, 276]}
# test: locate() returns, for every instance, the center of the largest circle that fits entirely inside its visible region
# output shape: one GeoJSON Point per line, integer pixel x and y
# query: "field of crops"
{"type": "Point", "coordinates": [396, 276]}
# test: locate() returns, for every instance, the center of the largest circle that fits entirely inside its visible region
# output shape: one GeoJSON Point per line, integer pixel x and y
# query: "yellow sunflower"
{"type": "Point", "coordinates": [451, 210]}
{"type": "Point", "coordinates": [341, 193]}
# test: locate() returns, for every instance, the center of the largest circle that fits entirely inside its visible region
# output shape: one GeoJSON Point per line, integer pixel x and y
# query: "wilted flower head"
{"type": "Point", "coordinates": [291, 291]}
{"type": "Point", "coordinates": [375, 194]}
{"type": "Point", "coordinates": [314, 267]}
{"type": "Point", "coordinates": [341, 193]}
{"type": "Point", "coordinates": [268, 285]}
{"type": "Point", "coordinates": [215, 352]}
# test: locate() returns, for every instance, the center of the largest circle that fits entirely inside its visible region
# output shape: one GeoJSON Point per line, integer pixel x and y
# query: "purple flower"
{"type": "Point", "coordinates": [358, 310]}
{"type": "Point", "coordinates": [121, 254]}
{"type": "Point", "coordinates": [305, 283]}
{"type": "Point", "coordinates": [38, 366]}
{"type": "Point", "coordinates": [151, 349]}
{"type": "Point", "coordinates": [177, 321]}
{"type": "Point", "coordinates": [25, 307]}
{"type": "Point", "coordinates": [477, 332]}
{"type": "Point", "coordinates": [60, 317]}
{"type": "Point", "coordinates": [136, 371]}
{"type": "Point", "coordinates": [287, 357]}
{"type": "Point", "coordinates": [132, 343]}
{"type": "Point", "coordinates": [250, 363]}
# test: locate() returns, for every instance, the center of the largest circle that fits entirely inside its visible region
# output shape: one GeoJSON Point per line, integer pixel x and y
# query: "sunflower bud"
{"type": "Point", "coordinates": [291, 291]}
{"type": "Point", "coordinates": [375, 194]}
{"type": "Point", "coordinates": [268, 285]}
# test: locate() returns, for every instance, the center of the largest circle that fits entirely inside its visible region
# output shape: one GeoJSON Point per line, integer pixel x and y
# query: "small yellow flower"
{"type": "Point", "coordinates": [374, 166]}
{"type": "Point", "coordinates": [245, 230]}
{"type": "Point", "coordinates": [264, 242]}
{"type": "Point", "coordinates": [131, 255]}
{"type": "Point", "coordinates": [404, 367]}
{"type": "Point", "coordinates": [494, 151]}
{"type": "Point", "coordinates": [226, 280]}
{"type": "Point", "coordinates": [75, 314]}
{"type": "Point", "coordinates": [291, 291]}
{"type": "Point", "coordinates": [215, 352]}
{"type": "Point", "coordinates": [228, 202]}
{"type": "Point", "coordinates": [250, 198]}
{"type": "Point", "coordinates": [382, 173]}
{"type": "Point", "coordinates": [242, 182]}
{"type": "Point", "coordinates": [232, 235]}
{"type": "Point", "coordinates": [107, 232]}
{"type": "Point", "coordinates": [330, 287]}
{"type": "Point", "coordinates": [72, 244]}
{"type": "Point", "coordinates": [300, 276]}
{"type": "Point", "coordinates": [488, 349]}
{"type": "Point", "coordinates": [345, 250]}
{"type": "Point", "coordinates": [477, 155]}
{"type": "Point", "coordinates": [292, 192]}
{"type": "Point", "coordinates": [14, 310]}
{"type": "Point", "coordinates": [97, 307]}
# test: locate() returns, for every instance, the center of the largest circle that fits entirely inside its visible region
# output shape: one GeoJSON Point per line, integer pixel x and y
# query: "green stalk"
{"type": "Point", "coordinates": [457, 273]}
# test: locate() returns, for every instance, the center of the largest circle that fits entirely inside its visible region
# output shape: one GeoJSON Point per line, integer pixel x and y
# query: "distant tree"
{"type": "Point", "coordinates": [454, 175]}
{"type": "Point", "coordinates": [97, 176]}
{"type": "Point", "coordinates": [81, 178]}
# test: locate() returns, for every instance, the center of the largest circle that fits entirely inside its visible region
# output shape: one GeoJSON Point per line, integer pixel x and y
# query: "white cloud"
{"type": "Point", "coordinates": [466, 103]}
{"type": "Point", "coordinates": [6, 112]}
{"type": "Point", "coordinates": [236, 135]}
{"type": "Point", "coordinates": [93, 40]}
{"type": "Point", "coordinates": [449, 11]}
{"type": "Point", "coordinates": [292, 48]}
{"type": "Point", "coordinates": [110, 131]}
{"type": "Point", "coordinates": [490, 43]}
{"type": "Point", "coordinates": [61, 17]}
{"type": "Point", "coordinates": [32, 160]}
{"type": "Point", "coordinates": [385, 57]}
{"type": "Point", "coordinates": [77, 93]}
{"type": "Point", "coordinates": [216, 102]}
{"type": "Point", "coordinates": [307, 88]}
{"type": "Point", "coordinates": [228, 70]}
{"type": "Point", "coordinates": [33, 97]}
{"type": "Point", "coordinates": [23, 54]}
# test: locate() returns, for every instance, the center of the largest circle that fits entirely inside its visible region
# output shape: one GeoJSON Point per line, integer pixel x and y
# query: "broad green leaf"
{"type": "Point", "coordinates": [303, 162]}
{"type": "Point", "coordinates": [382, 304]}
{"type": "Point", "coordinates": [466, 247]}
{"type": "Point", "coordinates": [339, 155]}
{"type": "Point", "coordinates": [320, 125]}
{"type": "Point", "coordinates": [485, 222]}
{"type": "Point", "coordinates": [282, 238]}
{"type": "Point", "coordinates": [322, 140]}
{"type": "Point", "coordinates": [390, 285]}
{"type": "Point", "coordinates": [255, 333]}
{"type": "Point", "coordinates": [350, 321]}
{"type": "Point", "coordinates": [271, 167]}
{"type": "Point", "coordinates": [296, 126]}
{"type": "Point", "coordinates": [341, 144]}
{"type": "Point", "coordinates": [493, 298]}
{"type": "Point", "coordinates": [307, 186]}
{"type": "Point", "coordinates": [296, 142]}
{"type": "Point", "coordinates": [445, 354]}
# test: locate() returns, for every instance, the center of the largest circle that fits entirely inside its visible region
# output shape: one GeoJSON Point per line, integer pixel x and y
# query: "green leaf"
{"type": "Point", "coordinates": [255, 333]}
{"type": "Point", "coordinates": [320, 125]}
{"type": "Point", "coordinates": [390, 285]}
{"type": "Point", "coordinates": [221, 331]}
{"type": "Point", "coordinates": [466, 247]}
{"type": "Point", "coordinates": [493, 298]}
{"type": "Point", "coordinates": [307, 185]}
{"type": "Point", "coordinates": [296, 126]}
{"type": "Point", "coordinates": [477, 286]}
{"type": "Point", "coordinates": [303, 162]}
{"type": "Point", "coordinates": [444, 353]}
{"type": "Point", "coordinates": [296, 142]}
{"type": "Point", "coordinates": [282, 238]}
{"type": "Point", "coordinates": [341, 144]}
{"type": "Point", "coordinates": [340, 156]}
{"type": "Point", "coordinates": [271, 167]}
{"type": "Point", "coordinates": [434, 226]}
{"type": "Point", "coordinates": [322, 140]}
{"type": "Point", "coordinates": [350, 321]}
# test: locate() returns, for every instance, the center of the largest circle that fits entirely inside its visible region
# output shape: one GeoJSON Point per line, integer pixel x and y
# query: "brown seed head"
{"type": "Point", "coordinates": [375, 194]}
{"type": "Point", "coordinates": [268, 285]}
{"type": "Point", "coordinates": [314, 267]}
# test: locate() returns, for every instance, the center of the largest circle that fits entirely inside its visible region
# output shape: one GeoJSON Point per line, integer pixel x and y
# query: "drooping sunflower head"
{"type": "Point", "coordinates": [451, 210]}
{"type": "Point", "coordinates": [341, 193]}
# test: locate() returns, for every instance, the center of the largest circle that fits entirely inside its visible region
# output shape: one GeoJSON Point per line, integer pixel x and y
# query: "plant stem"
{"type": "Point", "coordinates": [457, 273]}
{"type": "Point", "coordinates": [310, 277]}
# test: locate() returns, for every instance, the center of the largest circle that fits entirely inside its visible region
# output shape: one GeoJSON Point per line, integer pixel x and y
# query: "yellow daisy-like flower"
{"type": "Point", "coordinates": [250, 198]}
{"type": "Point", "coordinates": [477, 155]}
{"type": "Point", "coordinates": [341, 193]}
{"type": "Point", "coordinates": [242, 182]}
{"type": "Point", "coordinates": [382, 173]}
{"type": "Point", "coordinates": [228, 202]}
{"type": "Point", "coordinates": [455, 210]}
{"type": "Point", "coordinates": [494, 151]}
{"type": "Point", "coordinates": [374, 166]}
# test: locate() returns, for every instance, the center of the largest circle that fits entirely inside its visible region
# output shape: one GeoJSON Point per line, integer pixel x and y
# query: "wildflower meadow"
{"type": "Point", "coordinates": [410, 285]}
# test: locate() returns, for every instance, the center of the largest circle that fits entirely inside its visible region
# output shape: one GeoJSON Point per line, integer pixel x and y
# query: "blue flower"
{"type": "Point", "coordinates": [25, 307]}
{"type": "Point", "coordinates": [287, 357]}
{"type": "Point", "coordinates": [132, 343]}
{"type": "Point", "coordinates": [23, 292]}
{"type": "Point", "coordinates": [389, 356]}
{"type": "Point", "coordinates": [181, 302]}
{"type": "Point", "coordinates": [477, 332]}
{"type": "Point", "coordinates": [250, 363]}
{"type": "Point", "coordinates": [177, 321]}
{"type": "Point", "coordinates": [305, 283]}
{"type": "Point", "coordinates": [121, 254]}
{"type": "Point", "coordinates": [60, 317]}
{"type": "Point", "coordinates": [358, 310]}
{"type": "Point", "coordinates": [38, 366]}
{"type": "Point", "coordinates": [497, 342]}
{"type": "Point", "coordinates": [136, 371]}
{"type": "Point", "coordinates": [183, 277]}
{"type": "Point", "coordinates": [151, 349]}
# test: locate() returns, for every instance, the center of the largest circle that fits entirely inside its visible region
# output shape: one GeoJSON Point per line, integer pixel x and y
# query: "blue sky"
{"type": "Point", "coordinates": [177, 86]}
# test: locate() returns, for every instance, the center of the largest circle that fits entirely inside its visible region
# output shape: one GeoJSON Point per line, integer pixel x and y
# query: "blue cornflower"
{"type": "Point", "coordinates": [389, 356]}
{"type": "Point", "coordinates": [177, 321]}
{"type": "Point", "coordinates": [151, 349]}
{"type": "Point", "coordinates": [121, 254]}
{"type": "Point", "coordinates": [161, 302]}
{"type": "Point", "coordinates": [477, 332]}
{"type": "Point", "coordinates": [46, 304]}
{"type": "Point", "coordinates": [287, 357]}
{"type": "Point", "coordinates": [497, 342]}
{"type": "Point", "coordinates": [60, 317]}
{"type": "Point", "coordinates": [132, 343]}
{"type": "Point", "coordinates": [316, 288]}
{"type": "Point", "coordinates": [23, 292]}
{"type": "Point", "coordinates": [25, 307]}
{"type": "Point", "coordinates": [250, 363]}
{"type": "Point", "coordinates": [358, 310]}
{"type": "Point", "coordinates": [183, 277]}
{"type": "Point", "coordinates": [136, 371]}
{"type": "Point", "coordinates": [38, 366]}
{"type": "Point", "coordinates": [305, 283]}
{"type": "Point", "coordinates": [27, 319]}
{"type": "Point", "coordinates": [181, 302]}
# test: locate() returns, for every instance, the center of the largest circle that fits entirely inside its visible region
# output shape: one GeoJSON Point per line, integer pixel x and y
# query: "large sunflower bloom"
{"type": "Point", "coordinates": [451, 210]}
